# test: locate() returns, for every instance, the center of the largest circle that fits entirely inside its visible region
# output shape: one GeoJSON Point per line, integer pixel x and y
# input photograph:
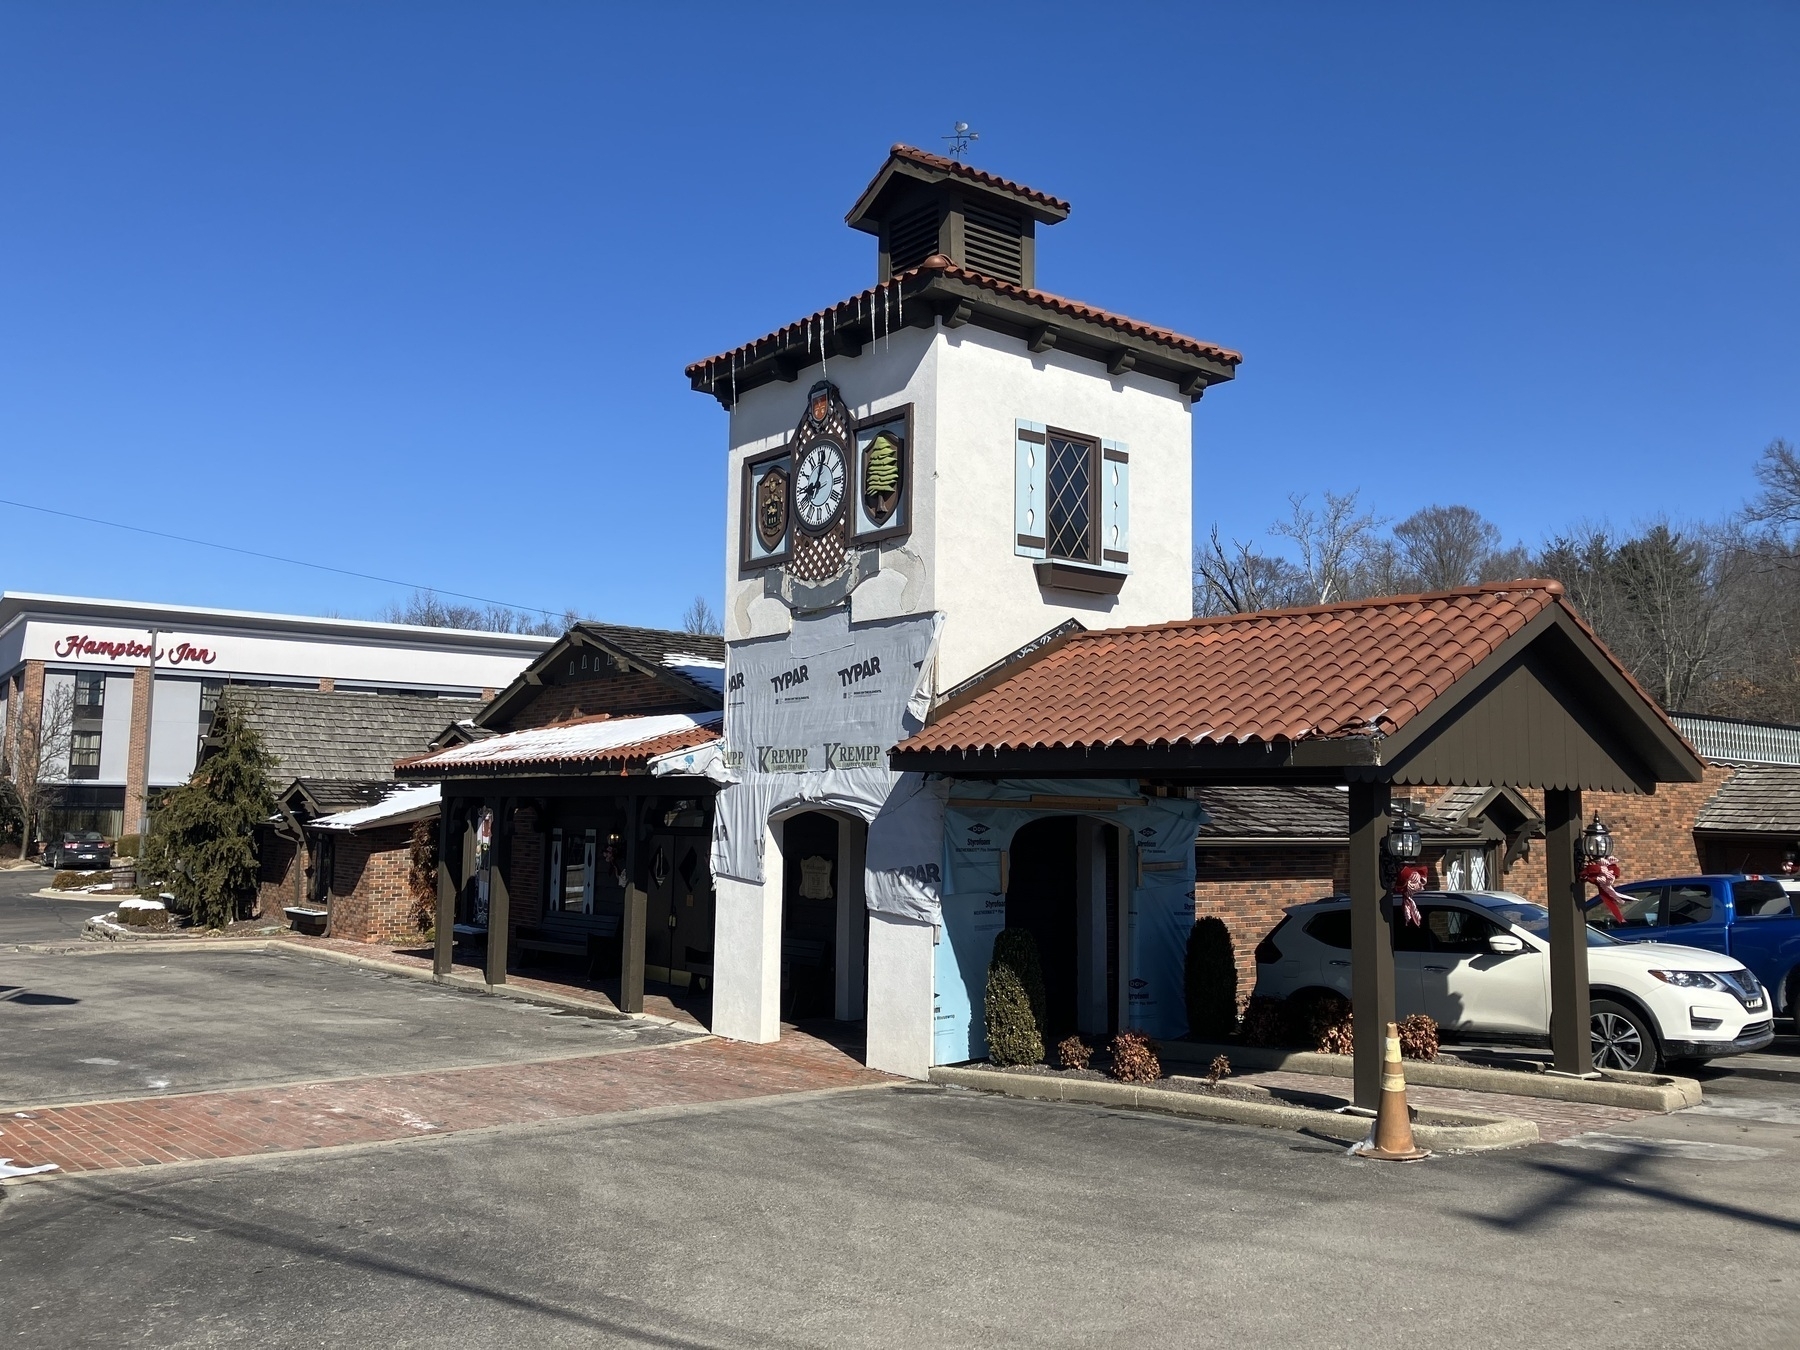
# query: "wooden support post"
{"type": "Point", "coordinates": [443, 955]}
{"type": "Point", "coordinates": [633, 931]}
{"type": "Point", "coordinates": [499, 893]}
{"type": "Point", "coordinates": [1371, 943]}
{"type": "Point", "coordinates": [1570, 1036]}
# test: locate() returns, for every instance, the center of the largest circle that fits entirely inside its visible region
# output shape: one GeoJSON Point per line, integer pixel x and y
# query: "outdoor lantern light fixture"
{"type": "Point", "coordinates": [1596, 841]}
{"type": "Point", "coordinates": [1403, 840]}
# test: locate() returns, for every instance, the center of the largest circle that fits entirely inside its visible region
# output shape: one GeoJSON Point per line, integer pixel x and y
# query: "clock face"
{"type": "Point", "coordinates": [819, 485]}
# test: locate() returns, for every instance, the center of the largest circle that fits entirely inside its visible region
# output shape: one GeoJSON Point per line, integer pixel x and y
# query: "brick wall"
{"type": "Point", "coordinates": [137, 753]}
{"type": "Point", "coordinates": [1249, 887]}
{"type": "Point", "coordinates": [527, 879]}
{"type": "Point", "coordinates": [277, 856]}
{"type": "Point", "coordinates": [371, 900]}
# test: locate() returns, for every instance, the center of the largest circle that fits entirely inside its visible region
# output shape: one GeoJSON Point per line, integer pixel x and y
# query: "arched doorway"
{"type": "Point", "coordinates": [824, 923]}
{"type": "Point", "coordinates": [1063, 888]}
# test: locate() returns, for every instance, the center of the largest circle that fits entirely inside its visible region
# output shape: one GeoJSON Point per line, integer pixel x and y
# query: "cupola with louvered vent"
{"type": "Point", "coordinates": [921, 204]}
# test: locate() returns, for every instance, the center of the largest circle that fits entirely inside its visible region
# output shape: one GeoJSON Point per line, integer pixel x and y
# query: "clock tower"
{"type": "Point", "coordinates": [927, 478]}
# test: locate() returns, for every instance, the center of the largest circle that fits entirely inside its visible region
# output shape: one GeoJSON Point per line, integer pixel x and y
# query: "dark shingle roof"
{"type": "Point", "coordinates": [654, 644]}
{"type": "Point", "coordinates": [1757, 799]}
{"type": "Point", "coordinates": [344, 736]}
{"type": "Point", "coordinates": [1274, 813]}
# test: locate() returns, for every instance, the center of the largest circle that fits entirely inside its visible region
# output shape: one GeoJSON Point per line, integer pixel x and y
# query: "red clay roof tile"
{"type": "Point", "coordinates": [944, 164]}
{"type": "Point", "coordinates": [1301, 674]}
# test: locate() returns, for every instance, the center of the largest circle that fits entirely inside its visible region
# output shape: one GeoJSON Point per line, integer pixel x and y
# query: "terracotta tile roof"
{"type": "Point", "coordinates": [602, 743]}
{"type": "Point", "coordinates": [876, 306]}
{"type": "Point", "coordinates": [943, 164]}
{"type": "Point", "coordinates": [1300, 674]}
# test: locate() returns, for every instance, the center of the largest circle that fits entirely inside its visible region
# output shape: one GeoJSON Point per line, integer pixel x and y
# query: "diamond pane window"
{"type": "Point", "coordinates": [1069, 498]}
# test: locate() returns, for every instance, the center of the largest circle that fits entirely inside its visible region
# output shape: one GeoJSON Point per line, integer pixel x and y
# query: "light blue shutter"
{"type": "Point", "coordinates": [1028, 489]}
{"type": "Point", "coordinates": [1115, 506]}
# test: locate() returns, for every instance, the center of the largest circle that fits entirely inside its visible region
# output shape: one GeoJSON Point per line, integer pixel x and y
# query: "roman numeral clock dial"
{"type": "Point", "coordinates": [819, 485]}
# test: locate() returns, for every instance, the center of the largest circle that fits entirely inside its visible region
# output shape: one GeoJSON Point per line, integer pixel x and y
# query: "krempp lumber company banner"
{"type": "Point", "coordinates": [809, 720]}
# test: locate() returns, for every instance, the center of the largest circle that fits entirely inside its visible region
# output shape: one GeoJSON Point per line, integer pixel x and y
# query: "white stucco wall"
{"type": "Point", "coordinates": [900, 994]}
{"type": "Point", "coordinates": [989, 595]}
{"type": "Point", "coordinates": [967, 386]}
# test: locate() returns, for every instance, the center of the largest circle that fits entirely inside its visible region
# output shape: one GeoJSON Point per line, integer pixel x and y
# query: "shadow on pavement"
{"type": "Point", "coordinates": [1625, 1175]}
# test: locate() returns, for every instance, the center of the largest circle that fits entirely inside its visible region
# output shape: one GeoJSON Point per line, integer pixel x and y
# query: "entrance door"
{"type": "Point", "coordinates": [809, 907]}
{"type": "Point", "coordinates": [678, 930]}
{"type": "Point", "coordinates": [1040, 898]}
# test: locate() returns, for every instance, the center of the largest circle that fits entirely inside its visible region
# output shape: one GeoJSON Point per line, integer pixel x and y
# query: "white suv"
{"type": "Point", "coordinates": [1479, 964]}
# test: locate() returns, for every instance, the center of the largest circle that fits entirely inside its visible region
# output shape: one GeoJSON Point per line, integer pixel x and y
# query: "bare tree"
{"type": "Point", "coordinates": [427, 609]}
{"type": "Point", "coordinates": [41, 744]}
{"type": "Point", "coordinates": [1446, 546]}
{"type": "Point", "coordinates": [700, 618]}
{"type": "Point", "coordinates": [1778, 504]}
{"type": "Point", "coordinates": [1333, 542]}
{"type": "Point", "coordinates": [1241, 579]}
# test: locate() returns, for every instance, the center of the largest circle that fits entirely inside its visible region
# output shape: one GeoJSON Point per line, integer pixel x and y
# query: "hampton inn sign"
{"type": "Point", "coordinates": [95, 659]}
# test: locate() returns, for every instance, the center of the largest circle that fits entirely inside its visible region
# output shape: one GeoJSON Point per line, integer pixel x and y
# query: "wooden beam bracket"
{"type": "Point", "coordinates": [1045, 338]}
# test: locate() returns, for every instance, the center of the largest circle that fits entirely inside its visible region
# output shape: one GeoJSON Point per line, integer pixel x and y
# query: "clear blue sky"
{"type": "Point", "coordinates": [408, 288]}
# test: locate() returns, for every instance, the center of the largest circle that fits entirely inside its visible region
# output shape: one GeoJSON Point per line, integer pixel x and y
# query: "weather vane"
{"type": "Point", "coordinates": [959, 140]}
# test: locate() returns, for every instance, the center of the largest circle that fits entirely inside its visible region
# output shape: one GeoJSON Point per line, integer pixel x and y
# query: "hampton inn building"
{"type": "Point", "coordinates": [123, 693]}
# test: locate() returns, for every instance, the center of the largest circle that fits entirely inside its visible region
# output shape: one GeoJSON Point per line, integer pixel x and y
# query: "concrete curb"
{"type": "Point", "coordinates": [1635, 1091]}
{"type": "Point", "coordinates": [1465, 1131]}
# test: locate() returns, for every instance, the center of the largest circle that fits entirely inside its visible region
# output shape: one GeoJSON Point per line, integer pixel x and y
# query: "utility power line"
{"type": "Point", "coordinates": [276, 557]}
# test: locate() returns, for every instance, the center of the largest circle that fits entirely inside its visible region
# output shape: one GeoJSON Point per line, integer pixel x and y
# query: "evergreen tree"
{"type": "Point", "coordinates": [1211, 979]}
{"type": "Point", "coordinates": [203, 847]}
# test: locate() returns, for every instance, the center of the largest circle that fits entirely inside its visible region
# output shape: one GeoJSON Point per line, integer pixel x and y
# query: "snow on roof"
{"type": "Point", "coordinates": [405, 800]}
{"type": "Point", "coordinates": [590, 738]}
{"type": "Point", "coordinates": [702, 670]}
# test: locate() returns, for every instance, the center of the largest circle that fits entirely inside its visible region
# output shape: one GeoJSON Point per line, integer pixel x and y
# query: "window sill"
{"type": "Point", "coordinates": [1058, 575]}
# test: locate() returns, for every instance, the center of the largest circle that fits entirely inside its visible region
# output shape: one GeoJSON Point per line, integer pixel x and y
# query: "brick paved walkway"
{"type": "Point", "coordinates": [244, 1122]}
{"type": "Point", "coordinates": [1555, 1119]}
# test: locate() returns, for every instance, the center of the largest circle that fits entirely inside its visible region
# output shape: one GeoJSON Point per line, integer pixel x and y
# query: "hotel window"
{"type": "Point", "coordinates": [84, 754]}
{"type": "Point", "coordinates": [90, 695]}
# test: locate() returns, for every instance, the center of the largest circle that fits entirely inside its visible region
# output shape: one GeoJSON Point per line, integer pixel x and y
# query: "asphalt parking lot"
{"type": "Point", "coordinates": [871, 1216]}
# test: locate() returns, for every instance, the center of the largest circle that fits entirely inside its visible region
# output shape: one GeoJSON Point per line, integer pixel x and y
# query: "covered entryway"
{"type": "Point", "coordinates": [1489, 686]}
{"type": "Point", "coordinates": [1062, 888]}
{"type": "Point", "coordinates": [824, 922]}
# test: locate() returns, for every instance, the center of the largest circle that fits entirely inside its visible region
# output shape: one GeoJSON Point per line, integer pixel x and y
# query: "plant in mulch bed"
{"type": "Point", "coordinates": [1015, 1000]}
{"type": "Point", "coordinates": [71, 881]}
{"type": "Point", "coordinates": [1219, 1068]}
{"type": "Point", "coordinates": [1074, 1053]}
{"type": "Point", "coordinates": [1419, 1037]}
{"type": "Point", "coordinates": [1210, 979]}
{"type": "Point", "coordinates": [1323, 1021]}
{"type": "Point", "coordinates": [1266, 1022]}
{"type": "Point", "coordinates": [1134, 1058]}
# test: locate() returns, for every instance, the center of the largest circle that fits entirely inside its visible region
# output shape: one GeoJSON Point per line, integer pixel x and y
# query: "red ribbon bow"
{"type": "Point", "coordinates": [1411, 879]}
{"type": "Point", "coordinates": [1603, 874]}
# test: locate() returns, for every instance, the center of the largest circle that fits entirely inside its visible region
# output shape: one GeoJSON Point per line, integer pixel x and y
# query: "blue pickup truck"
{"type": "Point", "coordinates": [1755, 919]}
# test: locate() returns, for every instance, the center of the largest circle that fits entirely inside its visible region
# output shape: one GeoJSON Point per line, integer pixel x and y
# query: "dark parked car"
{"type": "Point", "coordinates": [1753, 918]}
{"type": "Point", "coordinates": [87, 852]}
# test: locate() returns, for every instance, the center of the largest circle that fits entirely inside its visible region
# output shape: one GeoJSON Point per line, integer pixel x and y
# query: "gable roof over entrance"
{"type": "Point", "coordinates": [1488, 684]}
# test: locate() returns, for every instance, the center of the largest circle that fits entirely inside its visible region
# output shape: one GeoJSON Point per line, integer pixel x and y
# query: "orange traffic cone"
{"type": "Point", "coordinates": [1393, 1141]}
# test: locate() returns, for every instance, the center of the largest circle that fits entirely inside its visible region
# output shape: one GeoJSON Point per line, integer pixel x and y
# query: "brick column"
{"type": "Point", "coordinates": [137, 756]}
